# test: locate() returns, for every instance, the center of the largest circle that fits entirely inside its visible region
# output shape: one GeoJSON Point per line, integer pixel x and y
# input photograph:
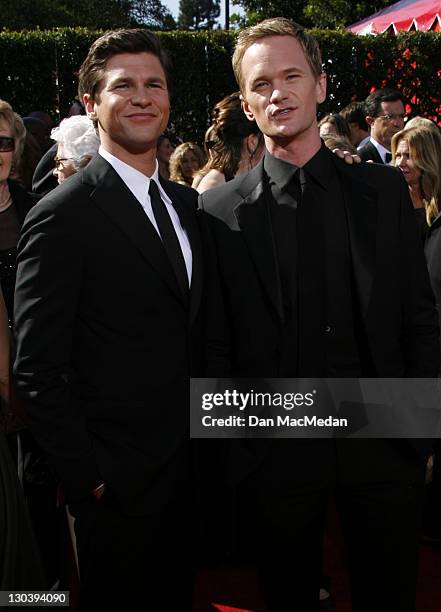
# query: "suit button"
{"type": "Point", "coordinates": [328, 329]}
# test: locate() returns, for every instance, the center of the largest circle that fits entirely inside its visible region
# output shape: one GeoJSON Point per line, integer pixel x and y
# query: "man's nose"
{"type": "Point", "coordinates": [141, 96]}
{"type": "Point", "coordinates": [277, 94]}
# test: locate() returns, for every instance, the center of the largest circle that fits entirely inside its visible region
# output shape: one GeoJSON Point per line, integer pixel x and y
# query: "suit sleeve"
{"type": "Point", "coordinates": [49, 278]}
{"type": "Point", "coordinates": [420, 341]}
{"type": "Point", "coordinates": [217, 328]}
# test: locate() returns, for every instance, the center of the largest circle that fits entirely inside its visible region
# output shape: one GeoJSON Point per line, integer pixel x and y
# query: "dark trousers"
{"type": "Point", "coordinates": [136, 563]}
{"type": "Point", "coordinates": [381, 522]}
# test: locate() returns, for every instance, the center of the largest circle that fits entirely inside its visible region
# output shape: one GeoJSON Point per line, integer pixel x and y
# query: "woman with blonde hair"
{"type": "Point", "coordinates": [416, 151]}
{"type": "Point", "coordinates": [185, 161]}
{"type": "Point", "coordinates": [15, 202]}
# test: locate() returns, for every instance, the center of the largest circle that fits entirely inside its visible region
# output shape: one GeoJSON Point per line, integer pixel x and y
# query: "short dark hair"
{"type": "Point", "coordinates": [137, 40]}
{"type": "Point", "coordinates": [374, 100]}
{"type": "Point", "coordinates": [355, 112]}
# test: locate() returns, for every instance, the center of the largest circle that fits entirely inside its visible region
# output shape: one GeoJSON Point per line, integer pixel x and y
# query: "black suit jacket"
{"type": "Point", "coordinates": [433, 255]}
{"type": "Point", "coordinates": [105, 340]}
{"type": "Point", "coordinates": [370, 153]}
{"type": "Point", "coordinates": [43, 179]}
{"type": "Point", "coordinates": [396, 304]}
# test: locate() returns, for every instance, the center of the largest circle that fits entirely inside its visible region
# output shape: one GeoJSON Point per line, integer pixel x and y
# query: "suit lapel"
{"type": "Point", "coordinates": [252, 214]}
{"type": "Point", "coordinates": [361, 202]}
{"type": "Point", "coordinates": [376, 155]}
{"type": "Point", "coordinates": [187, 214]}
{"type": "Point", "coordinates": [116, 200]}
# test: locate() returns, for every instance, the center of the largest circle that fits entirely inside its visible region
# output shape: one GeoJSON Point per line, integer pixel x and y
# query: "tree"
{"type": "Point", "coordinates": [152, 13]}
{"type": "Point", "coordinates": [46, 14]}
{"type": "Point", "coordinates": [310, 13]}
{"type": "Point", "coordinates": [96, 14]}
{"type": "Point", "coordinates": [339, 13]}
{"type": "Point", "coordinates": [256, 10]}
{"type": "Point", "coordinates": [198, 14]}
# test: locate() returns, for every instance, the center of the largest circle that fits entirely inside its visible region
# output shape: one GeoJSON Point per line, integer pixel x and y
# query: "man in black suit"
{"type": "Point", "coordinates": [315, 270]}
{"type": "Point", "coordinates": [107, 306]}
{"type": "Point", "coordinates": [385, 115]}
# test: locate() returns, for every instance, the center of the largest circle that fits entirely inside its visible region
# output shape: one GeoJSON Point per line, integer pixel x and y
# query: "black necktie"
{"type": "Point", "coordinates": [169, 238]}
{"type": "Point", "coordinates": [295, 188]}
{"type": "Point", "coordinates": [311, 305]}
{"type": "Point", "coordinates": [388, 158]}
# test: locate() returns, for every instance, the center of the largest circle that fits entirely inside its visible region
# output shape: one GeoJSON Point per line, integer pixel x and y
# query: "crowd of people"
{"type": "Point", "coordinates": [313, 250]}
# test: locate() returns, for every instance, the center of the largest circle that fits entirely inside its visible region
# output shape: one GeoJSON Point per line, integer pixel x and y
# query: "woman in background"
{"type": "Point", "coordinates": [20, 564]}
{"type": "Point", "coordinates": [15, 202]}
{"type": "Point", "coordinates": [334, 124]}
{"type": "Point", "coordinates": [164, 149]}
{"type": "Point", "coordinates": [416, 151]}
{"type": "Point", "coordinates": [78, 142]}
{"type": "Point", "coordinates": [185, 161]}
{"type": "Point", "coordinates": [234, 145]}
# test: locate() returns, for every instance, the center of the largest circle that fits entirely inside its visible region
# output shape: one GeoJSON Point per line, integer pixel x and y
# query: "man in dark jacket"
{"type": "Point", "coordinates": [385, 115]}
{"type": "Point", "coordinates": [316, 271]}
{"type": "Point", "coordinates": [107, 303]}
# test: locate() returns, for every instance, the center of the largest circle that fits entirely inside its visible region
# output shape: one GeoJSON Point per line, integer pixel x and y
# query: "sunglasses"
{"type": "Point", "coordinates": [6, 144]}
{"type": "Point", "coordinates": [60, 162]}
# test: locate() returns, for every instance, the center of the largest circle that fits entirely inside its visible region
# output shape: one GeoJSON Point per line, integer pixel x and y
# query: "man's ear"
{"type": "Point", "coordinates": [89, 105]}
{"type": "Point", "coordinates": [246, 109]}
{"type": "Point", "coordinates": [321, 88]}
{"type": "Point", "coordinates": [370, 120]}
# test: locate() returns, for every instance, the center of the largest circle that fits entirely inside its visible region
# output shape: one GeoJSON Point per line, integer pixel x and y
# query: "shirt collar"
{"type": "Point", "coordinates": [381, 150]}
{"type": "Point", "coordinates": [319, 168]}
{"type": "Point", "coordinates": [278, 170]}
{"type": "Point", "coordinates": [136, 181]}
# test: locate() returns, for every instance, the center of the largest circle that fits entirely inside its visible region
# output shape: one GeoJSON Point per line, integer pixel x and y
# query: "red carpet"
{"type": "Point", "coordinates": [237, 590]}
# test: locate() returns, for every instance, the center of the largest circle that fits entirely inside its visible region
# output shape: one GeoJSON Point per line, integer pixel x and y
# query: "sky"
{"type": "Point", "coordinates": [173, 6]}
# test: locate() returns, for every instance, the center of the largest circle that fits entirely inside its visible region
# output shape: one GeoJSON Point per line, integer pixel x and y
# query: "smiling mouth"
{"type": "Point", "coordinates": [282, 112]}
{"type": "Point", "coordinates": [141, 116]}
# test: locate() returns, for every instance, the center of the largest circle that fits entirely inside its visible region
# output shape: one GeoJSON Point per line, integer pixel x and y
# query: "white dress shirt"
{"type": "Point", "coordinates": [381, 150]}
{"type": "Point", "coordinates": [139, 184]}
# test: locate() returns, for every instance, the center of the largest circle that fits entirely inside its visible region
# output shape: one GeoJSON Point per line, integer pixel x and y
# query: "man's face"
{"type": "Point", "coordinates": [280, 91]}
{"type": "Point", "coordinates": [131, 103]}
{"type": "Point", "coordinates": [390, 121]}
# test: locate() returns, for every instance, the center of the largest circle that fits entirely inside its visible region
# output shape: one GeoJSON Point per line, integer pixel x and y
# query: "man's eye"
{"type": "Point", "coordinates": [291, 77]}
{"type": "Point", "coordinates": [121, 86]}
{"type": "Point", "coordinates": [260, 84]}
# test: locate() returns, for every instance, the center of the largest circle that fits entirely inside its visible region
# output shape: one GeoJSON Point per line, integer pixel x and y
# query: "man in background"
{"type": "Point", "coordinates": [355, 115]}
{"type": "Point", "coordinates": [385, 115]}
